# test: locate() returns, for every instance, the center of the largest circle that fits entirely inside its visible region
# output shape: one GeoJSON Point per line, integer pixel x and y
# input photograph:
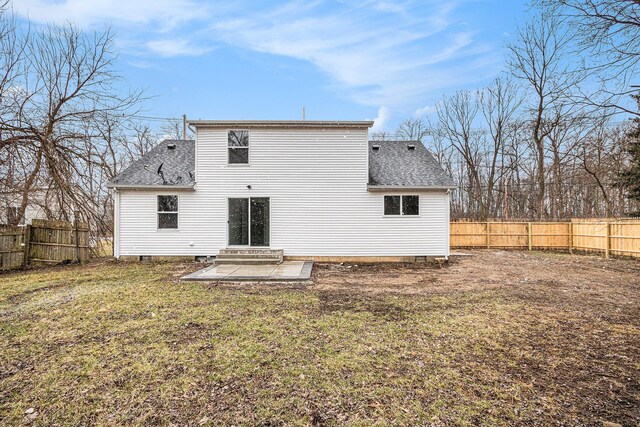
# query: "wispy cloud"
{"type": "Point", "coordinates": [377, 53]}
{"type": "Point", "coordinates": [163, 14]}
{"type": "Point", "coordinates": [176, 47]}
{"type": "Point", "coordinates": [397, 54]}
{"type": "Point", "coordinates": [141, 64]}
{"type": "Point", "coordinates": [425, 111]}
{"type": "Point", "coordinates": [390, 7]}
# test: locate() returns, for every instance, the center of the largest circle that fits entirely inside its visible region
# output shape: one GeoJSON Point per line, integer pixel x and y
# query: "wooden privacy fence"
{"type": "Point", "coordinates": [619, 237]}
{"type": "Point", "coordinates": [11, 248]}
{"type": "Point", "coordinates": [43, 243]}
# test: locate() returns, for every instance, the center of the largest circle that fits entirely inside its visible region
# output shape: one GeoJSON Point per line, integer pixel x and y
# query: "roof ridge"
{"type": "Point", "coordinates": [175, 140]}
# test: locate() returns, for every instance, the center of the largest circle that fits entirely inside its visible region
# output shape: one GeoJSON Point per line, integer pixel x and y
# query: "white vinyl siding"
{"type": "Point", "coordinates": [316, 180]}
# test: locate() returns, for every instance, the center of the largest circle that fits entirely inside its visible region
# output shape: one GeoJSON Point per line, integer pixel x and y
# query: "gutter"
{"type": "Point", "coordinates": [151, 187]}
{"type": "Point", "coordinates": [411, 187]}
{"type": "Point", "coordinates": [287, 124]}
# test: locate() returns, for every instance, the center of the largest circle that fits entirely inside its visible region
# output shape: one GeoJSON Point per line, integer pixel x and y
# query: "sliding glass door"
{"type": "Point", "coordinates": [238, 222]}
{"type": "Point", "coordinates": [248, 221]}
{"type": "Point", "coordinates": [259, 213]}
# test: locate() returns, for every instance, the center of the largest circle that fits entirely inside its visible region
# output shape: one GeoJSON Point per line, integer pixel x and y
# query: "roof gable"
{"type": "Point", "coordinates": [162, 166]}
{"type": "Point", "coordinates": [394, 164]}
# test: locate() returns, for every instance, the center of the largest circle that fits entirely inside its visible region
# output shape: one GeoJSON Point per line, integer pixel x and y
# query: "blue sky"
{"type": "Point", "coordinates": [346, 59]}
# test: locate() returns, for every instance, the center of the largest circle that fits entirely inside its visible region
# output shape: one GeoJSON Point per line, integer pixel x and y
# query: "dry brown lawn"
{"type": "Point", "coordinates": [499, 338]}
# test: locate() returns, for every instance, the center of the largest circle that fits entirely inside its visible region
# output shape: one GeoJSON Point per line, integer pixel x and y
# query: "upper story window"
{"type": "Point", "coordinates": [168, 212]}
{"type": "Point", "coordinates": [402, 205]}
{"type": "Point", "coordinates": [238, 147]}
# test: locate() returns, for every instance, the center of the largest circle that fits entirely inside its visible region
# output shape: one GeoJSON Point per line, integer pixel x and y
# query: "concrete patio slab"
{"type": "Point", "coordinates": [252, 270]}
{"type": "Point", "coordinates": [227, 269]}
{"type": "Point", "coordinates": [284, 272]}
{"type": "Point", "coordinates": [287, 269]}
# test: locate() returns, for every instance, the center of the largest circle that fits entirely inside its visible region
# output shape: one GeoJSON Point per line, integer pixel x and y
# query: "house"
{"type": "Point", "coordinates": [315, 190]}
{"type": "Point", "coordinates": [40, 205]}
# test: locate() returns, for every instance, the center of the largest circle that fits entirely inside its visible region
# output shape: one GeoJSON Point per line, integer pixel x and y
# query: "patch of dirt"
{"type": "Point", "coordinates": [178, 270]}
{"type": "Point", "coordinates": [485, 270]}
{"type": "Point", "coordinates": [188, 332]}
{"type": "Point", "coordinates": [330, 301]}
{"type": "Point", "coordinates": [15, 299]}
{"type": "Point", "coordinates": [578, 296]}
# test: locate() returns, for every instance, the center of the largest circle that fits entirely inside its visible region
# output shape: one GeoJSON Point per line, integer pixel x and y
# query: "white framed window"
{"type": "Point", "coordinates": [168, 212]}
{"type": "Point", "coordinates": [238, 147]}
{"type": "Point", "coordinates": [405, 205]}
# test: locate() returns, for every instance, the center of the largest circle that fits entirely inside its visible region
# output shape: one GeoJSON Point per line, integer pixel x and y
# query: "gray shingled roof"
{"type": "Point", "coordinates": [178, 167]}
{"type": "Point", "coordinates": [395, 165]}
{"type": "Point", "coordinates": [392, 165]}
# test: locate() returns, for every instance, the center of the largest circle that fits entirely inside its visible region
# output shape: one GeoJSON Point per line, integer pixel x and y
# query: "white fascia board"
{"type": "Point", "coordinates": [410, 187]}
{"type": "Point", "coordinates": [279, 124]}
{"type": "Point", "coordinates": [151, 187]}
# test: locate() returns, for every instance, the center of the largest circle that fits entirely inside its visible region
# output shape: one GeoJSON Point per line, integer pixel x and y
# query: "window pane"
{"type": "Point", "coordinates": [259, 221]}
{"type": "Point", "coordinates": [167, 203]}
{"type": "Point", "coordinates": [238, 138]}
{"type": "Point", "coordinates": [167, 220]}
{"type": "Point", "coordinates": [238, 155]}
{"type": "Point", "coordinates": [238, 221]}
{"type": "Point", "coordinates": [392, 205]}
{"type": "Point", "coordinates": [410, 205]}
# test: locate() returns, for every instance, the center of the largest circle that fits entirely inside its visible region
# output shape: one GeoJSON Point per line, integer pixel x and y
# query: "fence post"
{"type": "Point", "coordinates": [27, 246]}
{"type": "Point", "coordinates": [488, 236]}
{"type": "Point", "coordinates": [571, 238]}
{"type": "Point", "coordinates": [75, 225]}
{"type": "Point", "coordinates": [608, 237]}
{"type": "Point", "coordinates": [529, 235]}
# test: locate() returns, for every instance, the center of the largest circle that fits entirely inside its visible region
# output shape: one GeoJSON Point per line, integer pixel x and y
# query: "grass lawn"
{"type": "Point", "coordinates": [483, 341]}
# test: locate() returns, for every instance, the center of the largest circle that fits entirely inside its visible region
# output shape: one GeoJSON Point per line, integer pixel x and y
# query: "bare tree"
{"type": "Point", "coordinates": [533, 147]}
{"type": "Point", "coordinates": [499, 103]}
{"type": "Point", "coordinates": [414, 129]}
{"type": "Point", "coordinates": [12, 68]}
{"type": "Point", "coordinates": [484, 142]}
{"type": "Point", "coordinates": [455, 119]}
{"type": "Point", "coordinates": [536, 58]}
{"type": "Point", "coordinates": [66, 83]}
{"type": "Point", "coordinates": [381, 136]}
{"type": "Point", "coordinates": [607, 38]}
{"type": "Point", "coordinates": [142, 140]}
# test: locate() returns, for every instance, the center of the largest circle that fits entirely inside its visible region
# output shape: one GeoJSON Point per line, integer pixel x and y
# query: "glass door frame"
{"type": "Point", "coordinates": [248, 222]}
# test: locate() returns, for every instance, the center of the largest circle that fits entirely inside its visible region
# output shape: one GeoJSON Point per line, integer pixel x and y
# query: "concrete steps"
{"type": "Point", "coordinates": [256, 251]}
{"type": "Point", "coordinates": [244, 261]}
{"type": "Point", "coordinates": [249, 256]}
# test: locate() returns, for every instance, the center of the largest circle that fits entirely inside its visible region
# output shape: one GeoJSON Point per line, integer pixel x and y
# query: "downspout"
{"type": "Point", "coordinates": [448, 249]}
{"type": "Point", "coordinates": [195, 164]}
{"type": "Point", "coordinates": [116, 223]}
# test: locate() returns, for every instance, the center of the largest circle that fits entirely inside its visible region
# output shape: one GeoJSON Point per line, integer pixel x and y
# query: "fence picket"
{"type": "Point", "coordinates": [43, 243]}
{"type": "Point", "coordinates": [619, 237]}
